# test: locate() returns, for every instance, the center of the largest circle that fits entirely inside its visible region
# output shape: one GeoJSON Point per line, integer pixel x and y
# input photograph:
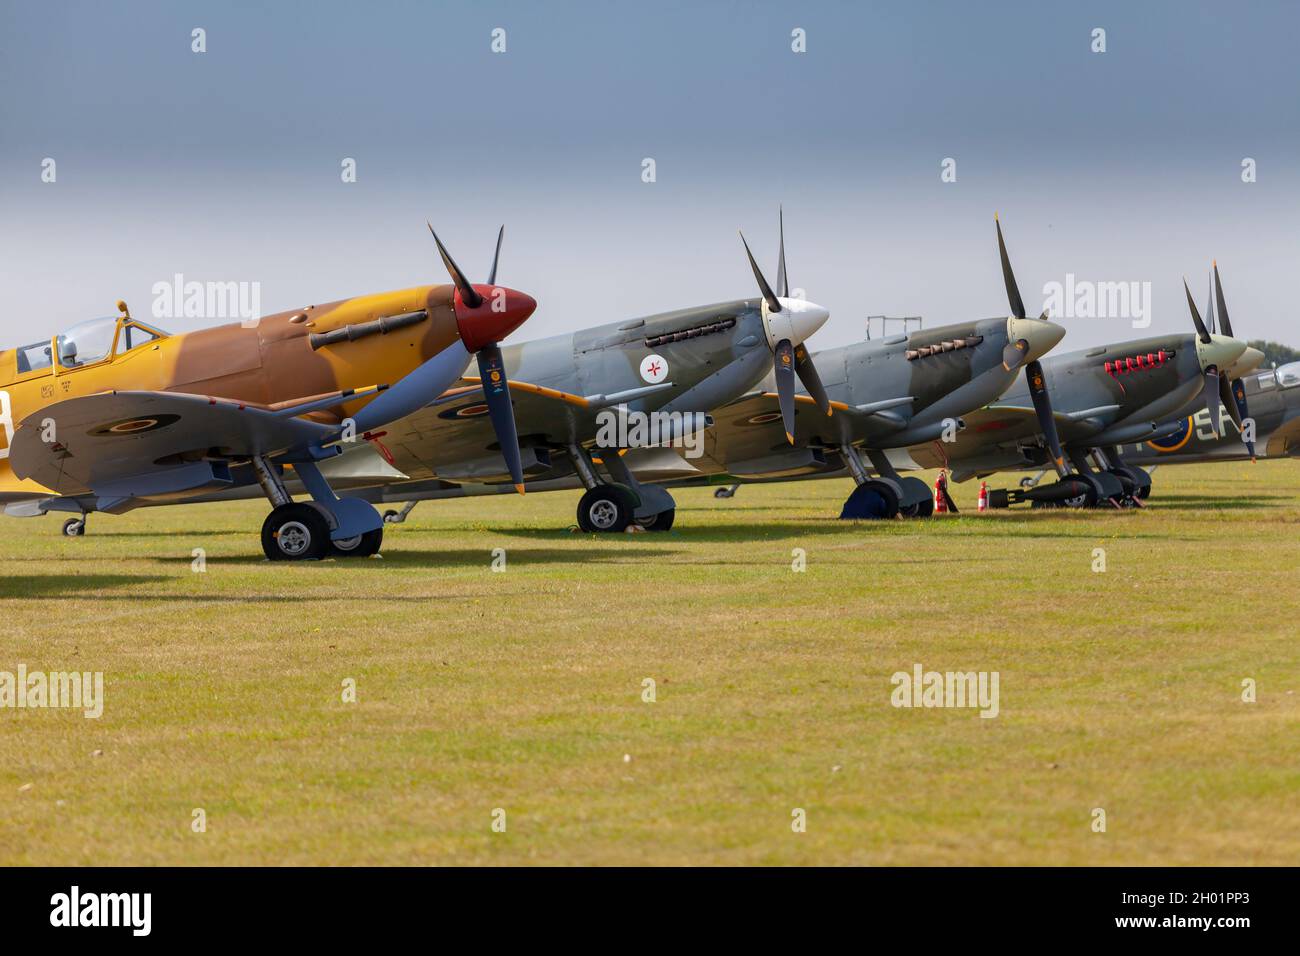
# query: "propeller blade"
{"type": "Point", "coordinates": [1043, 412]}
{"type": "Point", "coordinates": [496, 257]}
{"type": "Point", "coordinates": [1209, 307]}
{"type": "Point", "coordinates": [1230, 401]}
{"type": "Point", "coordinates": [782, 277]}
{"type": "Point", "coordinates": [1239, 403]}
{"type": "Point", "coordinates": [468, 294]}
{"type": "Point", "coordinates": [807, 372]}
{"type": "Point", "coordinates": [1014, 354]}
{"type": "Point", "coordinates": [1211, 393]}
{"type": "Point", "coordinates": [1196, 316]}
{"type": "Point", "coordinates": [1223, 306]}
{"type": "Point", "coordinates": [784, 366]}
{"type": "Point", "coordinates": [772, 303]}
{"type": "Point", "coordinates": [1013, 291]}
{"type": "Point", "coordinates": [496, 389]}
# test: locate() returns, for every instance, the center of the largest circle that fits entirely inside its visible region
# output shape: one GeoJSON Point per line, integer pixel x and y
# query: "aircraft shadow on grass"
{"type": "Point", "coordinates": [441, 558]}
{"type": "Point", "coordinates": [71, 586]}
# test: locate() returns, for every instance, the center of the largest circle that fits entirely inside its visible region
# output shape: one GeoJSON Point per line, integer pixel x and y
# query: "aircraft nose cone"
{"type": "Point", "coordinates": [797, 321]}
{"type": "Point", "coordinates": [1221, 351]}
{"type": "Point", "coordinates": [503, 310]}
{"type": "Point", "coordinates": [1250, 360]}
{"type": "Point", "coordinates": [1041, 335]}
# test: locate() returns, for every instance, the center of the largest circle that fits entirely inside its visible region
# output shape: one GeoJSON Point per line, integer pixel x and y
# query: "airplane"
{"type": "Point", "coordinates": [680, 363]}
{"type": "Point", "coordinates": [1268, 400]}
{"type": "Point", "coordinates": [886, 395]}
{"type": "Point", "coordinates": [1086, 404]}
{"type": "Point", "coordinates": [115, 414]}
{"type": "Point", "coordinates": [1273, 395]}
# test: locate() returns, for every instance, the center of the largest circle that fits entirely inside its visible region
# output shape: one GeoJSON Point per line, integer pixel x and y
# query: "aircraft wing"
{"type": "Point", "coordinates": [149, 444]}
{"type": "Point", "coordinates": [750, 427]}
{"type": "Point", "coordinates": [995, 425]}
{"type": "Point", "coordinates": [453, 437]}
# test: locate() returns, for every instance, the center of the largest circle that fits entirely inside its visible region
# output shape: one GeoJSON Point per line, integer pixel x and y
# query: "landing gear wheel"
{"type": "Point", "coordinates": [659, 522]}
{"type": "Point", "coordinates": [74, 527]}
{"type": "Point", "coordinates": [922, 509]}
{"type": "Point", "coordinates": [295, 532]}
{"type": "Point", "coordinates": [390, 516]}
{"type": "Point", "coordinates": [871, 500]}
{"type": "Point", "coordinates": [1089, 498]}
{"type": "Point", "coordinates": [923, 505]}
{"type": "Point", "coordinates": [359, 545]}
{"type": "Point", "coordinates": [606, 508]}
{"type": "Point", "coordinates": [1144, 493]}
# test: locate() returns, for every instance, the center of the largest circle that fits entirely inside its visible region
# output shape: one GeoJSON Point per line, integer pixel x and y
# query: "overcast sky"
{"type": "Point", "coordinates": [226, 165]}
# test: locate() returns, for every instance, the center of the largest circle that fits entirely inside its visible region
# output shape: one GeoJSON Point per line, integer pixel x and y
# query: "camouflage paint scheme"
{"type": "Point", "coordinates": [1274, 401]}
{"type": "Point", "coordinates": [258, 364]}
{"type": "Point", "coordinates": [558, 386]}
{"type": "Point", "coordinates": [1092, 407]}
{"type": "Point", "coordinates": [747, 443]}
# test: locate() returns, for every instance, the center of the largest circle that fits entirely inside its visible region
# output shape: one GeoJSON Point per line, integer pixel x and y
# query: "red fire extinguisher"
{"type": "Point", "coordinates": [984, 497]}
{"type": "Point", "coordinates": [941, 494]}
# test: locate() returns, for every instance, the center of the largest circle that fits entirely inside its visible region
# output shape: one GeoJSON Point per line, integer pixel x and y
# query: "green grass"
{"type": "Point", "coordinates": [522, 689]}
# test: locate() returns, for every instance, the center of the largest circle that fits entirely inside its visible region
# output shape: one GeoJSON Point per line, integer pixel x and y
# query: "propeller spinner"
{"type": "Point", "coordinates": [485, 314]}
{"type": "Point", "coordinates": [788, 323]}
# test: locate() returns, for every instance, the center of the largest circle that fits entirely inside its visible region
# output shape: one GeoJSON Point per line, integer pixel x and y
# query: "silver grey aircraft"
{"type": "Point", "coordinates": [1085, 405]}
{"type": "Point", "coordinates": [564, 389]}
{"type": "Point", "coordinates": [1274, 400]}
{"type": "Point", "coordinates": [884, 396]}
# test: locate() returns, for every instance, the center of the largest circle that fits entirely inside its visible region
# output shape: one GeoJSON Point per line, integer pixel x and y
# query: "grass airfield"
{"type": "Point", "coordinates": [522, 689]}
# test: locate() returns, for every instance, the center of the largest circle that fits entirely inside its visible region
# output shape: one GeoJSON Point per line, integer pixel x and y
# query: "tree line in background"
{"type": "Point", "coordinates": [1275, 353]}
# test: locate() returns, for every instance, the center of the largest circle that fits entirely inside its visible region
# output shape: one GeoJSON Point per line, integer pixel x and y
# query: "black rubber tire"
{"type": "Point", "coordinates": [663, 521]}
{"type": "Point", "coordinates": [295, 532]}
{"type": "Point", "coordinates": [1145, 492]}
{"type": "Point", "coordinates": [606, 509]}
{"type": "Point", "coordinates": [363, 545]}
{"type": "Point", "coordinates": [389, 515]}
{"type": "Point", "coordinates": [922, 509]}
{"type": "Point", "coordinates": [870, 501]}
{"type": "Point", "coordinates": [74, 527]}
{"type": "Point", "coordinates": [1088, 500]}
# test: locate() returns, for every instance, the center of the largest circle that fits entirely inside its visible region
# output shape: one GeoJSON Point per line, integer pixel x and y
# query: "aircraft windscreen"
{"type": "Point", "coordinates": [1288, 376]}
{"type": "Point", "coordinates": [86, 342]}
{"type": "Point", "coordinates": [34, 357]}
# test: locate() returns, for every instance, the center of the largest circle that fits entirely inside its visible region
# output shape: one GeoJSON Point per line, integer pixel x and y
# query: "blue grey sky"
{"type": "Point", "coordinates": [225, 165]}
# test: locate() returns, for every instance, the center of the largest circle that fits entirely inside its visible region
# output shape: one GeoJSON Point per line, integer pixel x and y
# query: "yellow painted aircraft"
{"type": "Point", "coordinates": [115, 413]}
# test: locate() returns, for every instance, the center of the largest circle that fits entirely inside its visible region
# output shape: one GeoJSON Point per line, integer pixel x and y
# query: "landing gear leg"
{"type": "Point", "coordinates": [1136, 482]}
{"type": "Point", "coordinates": [915, 500]}
{"type": "Point", "coordinates": [308, 531]}
{"type": "Point", "coordinates": [1110, 490]}
{"type": "Point", "coordinates": [605, 507]}
{"type": "Point", "coordinates": [1032, 482]}
{"type": "Point", "coordinates": [655, 507]}
{"type": "Point", "coordinates": [397, 517]}
{"type": "Point", "coordinates": [873, 498]}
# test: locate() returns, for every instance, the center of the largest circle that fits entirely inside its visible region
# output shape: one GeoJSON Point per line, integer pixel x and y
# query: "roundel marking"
{"type": "Point", "coordinates": [654, 369]}
{"type": "Point", "coordinates": [764, 418]}
{"type": "Point", "coordinates": [465, 411]}
{"type": "Point", "coordinates": [1175, 441]}
{"type": "Point", "coordinates": [134, 426]}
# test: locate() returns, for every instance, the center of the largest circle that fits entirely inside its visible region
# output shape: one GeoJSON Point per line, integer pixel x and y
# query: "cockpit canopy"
{"type": "Point", "coordinates": [87, 342]}
{"type": "Point", "coordinates": [1288, 376]}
